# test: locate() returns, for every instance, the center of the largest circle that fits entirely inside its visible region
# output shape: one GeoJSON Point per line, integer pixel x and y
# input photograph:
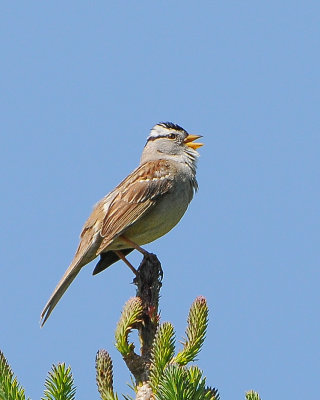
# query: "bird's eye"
{"type": "Point", "coordinates": [172, 136]}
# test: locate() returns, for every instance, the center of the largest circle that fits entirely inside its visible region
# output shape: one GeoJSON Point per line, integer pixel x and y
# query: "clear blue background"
{"type": "Point", "coordinates": [81, 85]}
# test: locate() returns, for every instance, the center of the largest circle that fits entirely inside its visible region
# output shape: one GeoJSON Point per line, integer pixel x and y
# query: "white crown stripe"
{"type": "Point", "coordinates": [161, 130]}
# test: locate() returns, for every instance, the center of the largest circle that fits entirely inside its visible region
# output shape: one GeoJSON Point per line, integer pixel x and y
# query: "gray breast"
{"type": "Point", "coordinates": [163, 216]}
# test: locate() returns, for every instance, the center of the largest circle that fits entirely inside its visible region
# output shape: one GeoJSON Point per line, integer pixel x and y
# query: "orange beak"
{"type": "Point", "coordinates": [189, 141]}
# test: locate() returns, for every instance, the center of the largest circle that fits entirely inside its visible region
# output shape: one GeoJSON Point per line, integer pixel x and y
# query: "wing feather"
{"type": "Point", "coordinates": [137, 194]}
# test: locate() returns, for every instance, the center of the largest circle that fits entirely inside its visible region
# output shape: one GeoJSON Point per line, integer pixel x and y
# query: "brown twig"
{"type": "Point", "coordinates": [148, 282]}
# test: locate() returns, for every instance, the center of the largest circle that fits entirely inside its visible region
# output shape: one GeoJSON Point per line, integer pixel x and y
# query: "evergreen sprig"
{"type": "Point", "coordinates": [181, 383]}
{"type": "Point", "coordinates": [10, 389]}
{"type": "Point", "coordinates": [158, 373]}
{"type": "Point", "coordinates": [162, 352]}
{"type": "Point", "coordinates": [195, 332]}
{"type": "Point", "coordinates": [131, 316]}
{"type": "Point", "coordinates": [104, 376]}
{"type": "Point", "coordinates": [59, 384]}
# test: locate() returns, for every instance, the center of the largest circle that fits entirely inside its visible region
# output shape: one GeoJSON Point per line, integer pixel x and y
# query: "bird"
{"type": "Point", "coordinates": [146, 205]}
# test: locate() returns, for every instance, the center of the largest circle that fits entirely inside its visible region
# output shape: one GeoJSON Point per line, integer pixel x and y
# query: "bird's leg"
{"type": "Point", "coordinates": [134, 245]}
{"type": "Point", "coordinates": [123, 258]}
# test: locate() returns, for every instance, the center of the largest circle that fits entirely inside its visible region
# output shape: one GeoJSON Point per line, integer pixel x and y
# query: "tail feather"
{"type": "Point", "coordinates": [62, 286]}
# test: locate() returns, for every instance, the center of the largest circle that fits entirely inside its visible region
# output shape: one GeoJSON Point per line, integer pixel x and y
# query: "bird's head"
{"type": "Point", "coordinates": [170, 141]}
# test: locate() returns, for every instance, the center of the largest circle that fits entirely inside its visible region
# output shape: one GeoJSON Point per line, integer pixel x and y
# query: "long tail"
{"type": "Point", "coordinates": [62, 286]}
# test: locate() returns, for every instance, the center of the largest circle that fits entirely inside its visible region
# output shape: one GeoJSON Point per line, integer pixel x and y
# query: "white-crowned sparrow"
{"type": "Point", "coordinates": [144, 206]}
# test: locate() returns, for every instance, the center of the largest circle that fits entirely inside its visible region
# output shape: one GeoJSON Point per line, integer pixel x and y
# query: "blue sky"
{"type": "Point", "coordinates": [81, 85]}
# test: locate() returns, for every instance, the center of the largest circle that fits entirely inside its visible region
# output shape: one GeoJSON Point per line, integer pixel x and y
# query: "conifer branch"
{"type": "Point", "coordinates": [59, 384]}
{"type": "Point", "coordinates": [181, 383]}
{"type": "Point", "coordinates": [10, 389]}
{"type": "Point", "coordinates": [131, 316]}
{"type": "Point", "coordinates": [158, 373]}
{"type": "Point", "coordinates": [162, 352]}
{"type": "Point", "coordinates": [104, 375]}
{"type": "Point", "coordinates": [195, 332]}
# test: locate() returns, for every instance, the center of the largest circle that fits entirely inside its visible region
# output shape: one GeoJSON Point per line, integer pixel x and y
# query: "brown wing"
{"type": "Point", "coordinates": [136, 195]}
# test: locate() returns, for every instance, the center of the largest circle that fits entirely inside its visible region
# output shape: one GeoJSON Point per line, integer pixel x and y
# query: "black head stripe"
{"type": "Point", "coordinates": [170, 125]}
{"type": "Point", "coordinates": [151, 138]}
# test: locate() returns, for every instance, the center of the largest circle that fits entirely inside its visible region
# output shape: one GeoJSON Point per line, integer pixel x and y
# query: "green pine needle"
{"type": "Point", "coordinates": [214, 393]}
{"type": "Point", "coordinates": [252, 395]}
{"type": "Point", "coordinates": [195, 332]}
{"type": "Point", "coordinates": [131, 316]}
{"type": "Point", "coordinates": [10, 389]}
{"type": "Point", "coordinates": [162, 352]}
{"type": "Point", "coordinates": [59, 384]}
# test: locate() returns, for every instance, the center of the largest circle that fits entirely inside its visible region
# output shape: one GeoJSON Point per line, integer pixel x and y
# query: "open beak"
{"type": "Point", "coordinates": [189, 141]}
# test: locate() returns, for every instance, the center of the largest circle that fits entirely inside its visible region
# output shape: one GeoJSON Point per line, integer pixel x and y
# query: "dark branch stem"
{"type": "Point", "coordinates": [148, 282]}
